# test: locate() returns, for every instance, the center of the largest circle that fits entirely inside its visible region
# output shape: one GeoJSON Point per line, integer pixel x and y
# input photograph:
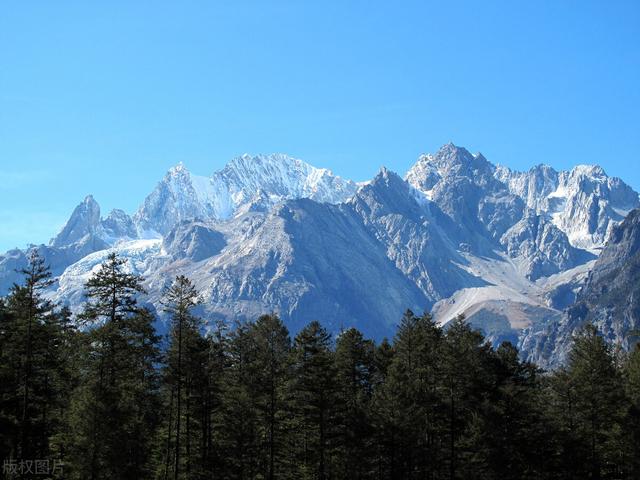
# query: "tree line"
{"type": "Point", "coordinates": [105, 397]}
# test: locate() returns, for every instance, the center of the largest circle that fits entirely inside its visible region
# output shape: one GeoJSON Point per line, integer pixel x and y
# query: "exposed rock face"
{"type": "Point", "coordinates": [542, 248]}
{"type": "Point", "coordinates": [499, 205]}
{"type": "Point", "coordinates": [583, 202]}
{"type": "Point", "coordinates": [178, 198]}
{"type": "Point", "coordinates": [458, 235]}
{"type": "Point", "coordinates": [458, 182]}
{"type": "Point", "coordinates": [195, 241]}
{"type": "Point", "coordinates": [610, 297]}
{"type": "Point", "coordinates": [246, 183]}
{"type": "Point", "coordinates": [118, 225]}
{"type": "Point", "coordinates": [84, 221]}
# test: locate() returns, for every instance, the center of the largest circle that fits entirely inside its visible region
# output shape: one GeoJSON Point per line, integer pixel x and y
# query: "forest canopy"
{"type": "Point", "coordinates": [100, 395]}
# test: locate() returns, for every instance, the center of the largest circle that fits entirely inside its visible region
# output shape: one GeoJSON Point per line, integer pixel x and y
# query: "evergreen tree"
{"type": "Point", "coordinates": [570, 449]}
{"type": "Point", "coordinates": [586, 404]}
{"type": "Point", "coordinates": [31, 312]}
{"type": "Point", "coordinates": [508, 436]}
{"type": "Point", "coordinates": [185, 379]}
{"type": "Point", "coordinates": [466, 383]}
{"type": "Point", "coordinates": [270, 339]}
{"type": "Point", "coordinates": [355, 370]}
{"type": "Point", "coordinates": [632, 417]}
{"type": "Point", "coordinates": [383, 357]}
{"type": "Point", "coordinates": [213, 426]}
{"type": "Point", "coordinates": [33, 358]}
{"type": "Point", "coordinates": [408, 406]}
{"type": "Point", "coordinates": [312, 393]}
{"type": "Point", "coordinates": [10, 367]}
{"type": "Point", "coordinates": [239, 414]}
{"type": "Point", "coordinates": [64, 349]}
{"type": "Point", "coordinates": [115, 408]}
{"type": "Point", "coordinates": [381, 411]}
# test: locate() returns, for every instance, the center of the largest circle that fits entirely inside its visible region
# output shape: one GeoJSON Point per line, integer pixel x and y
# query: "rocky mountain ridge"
{"type": "Point", "coordinates": [272, 233]}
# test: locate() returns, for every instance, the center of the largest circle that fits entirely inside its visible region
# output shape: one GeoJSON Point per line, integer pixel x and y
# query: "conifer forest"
{"type": "Point", "coordinates": [98, 394]}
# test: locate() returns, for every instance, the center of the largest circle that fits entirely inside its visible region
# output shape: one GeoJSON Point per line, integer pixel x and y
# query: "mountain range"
{"type": "Point", "coordinates": [526, 256]}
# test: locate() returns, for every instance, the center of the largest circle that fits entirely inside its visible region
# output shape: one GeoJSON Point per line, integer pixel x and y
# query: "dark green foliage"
{"type": "Point", "coordinates": [36, 346]}
{"type": "Point", "coordinates": [270, 371]}
{"type": "Point", "coordinates": [407, 406]}
{"type": "Point", "coordinates": [436, 403]}
{"type": "Point", "coordinates": [589, 405]}
{"type": "Point", "coordinates": [116, 405]}
{"type": "Point", "coordinates": [632, 418]}
{"type": "Point", "coordinates": [239, 417]}
{"type": "Point", "coordinates": [355, 372]}
{"type": "Point", "coordinates": [183, 446]}
{"type": "Point", "coordinates": [313, 396]}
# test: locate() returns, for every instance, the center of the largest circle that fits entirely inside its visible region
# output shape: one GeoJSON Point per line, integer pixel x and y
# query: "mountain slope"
{"type": "Point", "coordinates": [270, 233]}
{"type": "Point", "coordinates": [354, 264]}
{"type": "Point", "coordinates": [468, 188]}
{"type": "Point", "coordinates": [609, 298]}
{"type": "Point", "coordinates": [246, 182]}
{"type": "Point", "coordinates": [583, 202]}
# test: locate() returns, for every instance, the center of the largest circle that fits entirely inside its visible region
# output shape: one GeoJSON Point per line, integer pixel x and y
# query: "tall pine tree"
{"type": "Point", "coordinates": [270, 339]}
{"type": "Point", "coordinates": [115, 409]}
{"type": "Point", "coordinates": [312, 393]}
{"type": "Point", "coordinates": [185, 386]}
{"type": "Point", "coordinates": [355, 370]}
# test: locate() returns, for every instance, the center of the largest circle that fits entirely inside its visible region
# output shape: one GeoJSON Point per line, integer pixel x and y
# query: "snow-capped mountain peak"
{"type": "Point", "coordinates": [83, 221]}
{"type": "Point", "coordinates": [177, 169]}
{"type": "Point", "coordinates": [261, 234]}
{"type": "Point", "coordinates": [243, 183]}
{"type": "Point", "coordinates": [583, 202]}
{"type": "Point", "coordinates": [449, 162]}
{"type": "Point", "coordinates": [281, 176]}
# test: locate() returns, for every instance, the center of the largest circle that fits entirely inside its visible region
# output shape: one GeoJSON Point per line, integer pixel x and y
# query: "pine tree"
{"type": "Point", "coordinates": [36, 364]}
{"type": "Point", "coordinates": [239, 413]}
{"type": "Point", "coordinates": [213, 427]}
{"type": "Point", "coordinates": [270, 339]}
{"type": "Point", "coordinates": [32, 311]}
{"type": "Point", "coordinates": [29, 352]}
{"type": "Point", "coordinates": [10, 367]}
{"type": "Point", "coordinates": [632, 417]}
{"type": "Point", "coordinates": [185, 371]}
{"type": "Point", "coordinates": [355, 370]}
{"type": "Point", "coordinates": [466, 381]}
{"type": "Point", "coordinates": [408, 406]}
{"type": "Point", "coordinates": [381, 411]}
{"type": "Point", "coordinates": [115, 408]}
{"type": "Point", "coordinates": [383, 357]}
{"type": "Point", "coordinates": [598, 398]}
{"type": "Point", "coordinates": [508, 436]}
{"type": "Point", "coordinates": [312, 392]}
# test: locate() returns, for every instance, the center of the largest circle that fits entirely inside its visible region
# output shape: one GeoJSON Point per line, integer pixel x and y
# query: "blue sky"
{"type": "Point", "coordinates": [103, 97]}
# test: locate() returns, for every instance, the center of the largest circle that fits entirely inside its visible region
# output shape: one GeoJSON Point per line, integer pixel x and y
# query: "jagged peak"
{"type": "Point", "coordinates": [588, 170]}
{"type": "Point", "coordinates": [450, 147]}
{"type": "Point", "coordinates": [384, 171]}
{"type": "Point", "coordinates": [87, 203]}
{"type": "Point", "coordinates": [449, 154]}
{"type": "Point", "coordinates": [543, 166]}
{"type": "Point", "coordinates": [250, 161]}
{"type": "Point", "coordinates": [386, 175]}
{"type": "Point", "coordinates": [83, 220]}
{"type": "Point", "coordinates": [178, 170]}
{"type": "Point", "coordinates": [388, 181]}
{"type": "Point", "coordinates": [449, 161]}
{"type": "Point", "coordinates": [117, 213]}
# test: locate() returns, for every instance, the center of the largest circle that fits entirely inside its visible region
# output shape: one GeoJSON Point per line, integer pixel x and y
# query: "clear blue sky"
{"type": "Point", "coordinates": [103, 97]}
